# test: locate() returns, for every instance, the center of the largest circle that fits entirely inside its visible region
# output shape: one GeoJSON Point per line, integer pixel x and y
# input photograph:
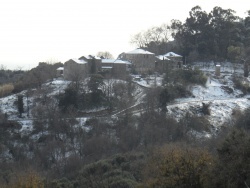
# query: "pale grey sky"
{"type": "Point", "coordinates": [33, 31]}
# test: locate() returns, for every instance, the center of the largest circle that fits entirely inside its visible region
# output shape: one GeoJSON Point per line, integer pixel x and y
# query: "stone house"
{"type": "Point", "coordinates": [75, 69]}
{"type": "Point", "coordinates": [94, 63]}
{"type": "Point", "coordinates": [167, 61]}
{"type": "Point", "coordinates": [116, 68]}
{"type": "Point", "coordinates": [162, 64]}
{"type": "Point", "coordinates": [138, 60]}
{"type": "Point", "coordinates": [176, 59]}
{"type": "Point", "coordinates": [142, 61]}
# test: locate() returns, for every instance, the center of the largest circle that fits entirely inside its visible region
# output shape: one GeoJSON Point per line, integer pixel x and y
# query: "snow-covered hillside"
{"type": "Point", "coordinates": [219, 94]}
{"type": "Point", "coordinates": [8, 104]}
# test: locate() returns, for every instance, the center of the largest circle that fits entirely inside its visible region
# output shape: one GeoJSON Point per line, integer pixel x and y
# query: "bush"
{"type": "Point", "coordinates": [171, 92]}
{"type": "Point", "coordinates": [245, 88]}
{"type": "Point", "coordinates": [68, 99]}
{"type": "Point", "coordinates": [61, 183]}
{"type": "Point", "coordinates": [6, 89]}
{"type": "Point", "coordinates": [186, 76]}
{"type": "Point", "coordinates": [232, 167]}
{"type": "Point", "coordinates": [205, 109]}
{"type": "Point", "coordinates": [243, 120]}
{"type": "Point", "coordinates": [177, 166]}
{"type": "Point", "coordinates": [110, 172]}
{"type": "Point", "coordinates": [191, 76]}
{"type": "Point", "coordinates": [30, 179]}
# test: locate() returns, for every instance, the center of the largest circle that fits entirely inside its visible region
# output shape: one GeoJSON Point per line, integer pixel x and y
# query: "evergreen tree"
{"type": "Point", "coordinates": [20, 105]}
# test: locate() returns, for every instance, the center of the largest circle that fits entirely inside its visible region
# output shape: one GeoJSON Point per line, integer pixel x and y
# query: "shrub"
{"type": "Point", "coordinates": [122, 170]}
{"type": "Point", "coordinates": [191, 76]}
{"type": "Point", "coordinates": [31, 180]}
{"type": "Point", "coordinates": [6, 89]}
{"type": "Point", "coordinates": [177, 166]}
{"type": "Point", "coordinates": [171, 92]}
{"type": "Point", "coordinates": [243, 119]}
{"type": "Point", "coordinates": [232, 167]}
{"type": "Point", "coordinates": [186, 76]}
{"type": "Point", "coordinates": [68, 99]}
{"type": "Point", "coordinates": [205, 109]}
{"type": "Point", "coordinates": [61, 183]}
{"type": "Point", "coordinates": [245, 88]}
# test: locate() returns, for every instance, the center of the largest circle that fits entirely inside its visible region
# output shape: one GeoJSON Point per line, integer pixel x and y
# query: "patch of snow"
{"type": "Point", "coordinates": [82, 124]}
{"type": "Point", "coordinates": [220, 110]}
{"type": "Point", "coordinates": [27, 126]}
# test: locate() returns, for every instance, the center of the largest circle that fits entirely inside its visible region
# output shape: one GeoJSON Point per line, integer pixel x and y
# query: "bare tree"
{"type": "Point", "coordinates": [157, 34]}
{"type": "Point", "coordinates": [166, 32]}
{"type": "Point", "coordinates": [105, 54]}
{"type": "Point", "coordinates": [139, 39]}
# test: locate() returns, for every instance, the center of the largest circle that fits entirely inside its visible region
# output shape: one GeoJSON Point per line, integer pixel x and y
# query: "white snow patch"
{"type": "Point", "coordinates": [27, 126]}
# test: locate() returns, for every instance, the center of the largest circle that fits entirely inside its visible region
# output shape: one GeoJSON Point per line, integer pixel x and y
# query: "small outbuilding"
{"type": "Point", "coordinates": [167, 61]}
{"type": "Point", "coordinates": [162, 64]}
{"type": "Point", "coordinates": [176, 59]}
{"type": "Point", "coordinates": [59, 71]}
{"type": "Point", "coordinates": [116, 68]}
{"type": "Point", "coordinates": [217, 70]}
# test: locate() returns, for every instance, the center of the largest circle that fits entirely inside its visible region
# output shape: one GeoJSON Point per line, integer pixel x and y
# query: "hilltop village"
{"type": "Point", "coordinates": [138, 61]}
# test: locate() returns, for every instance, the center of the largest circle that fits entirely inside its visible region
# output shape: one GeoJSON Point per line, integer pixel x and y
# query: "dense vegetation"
{"type": "Point", "coordinates": [146, 150]}
{"type": "Point", "coordinates": [217, 35]}
{"type": "Point", "coordinates": [18, 80]}
{"type": "Point", "coordinates": [159, 152]}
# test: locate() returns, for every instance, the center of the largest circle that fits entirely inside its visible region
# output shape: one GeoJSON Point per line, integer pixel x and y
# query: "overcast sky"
{"type": "Point", "coordinates": [35, 31]}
